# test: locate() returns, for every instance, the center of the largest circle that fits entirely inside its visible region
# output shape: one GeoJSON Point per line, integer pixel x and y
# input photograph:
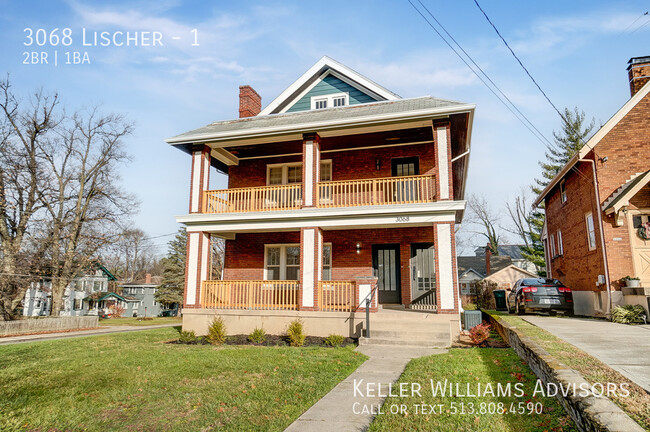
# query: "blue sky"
{"type": "Point", "coordinates": [577, 50]}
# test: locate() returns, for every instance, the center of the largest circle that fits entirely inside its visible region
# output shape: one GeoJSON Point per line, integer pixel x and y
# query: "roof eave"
{"type": "Point", "coordinates": [322, 125]}
{"type": "Point", "coordinates": [595, 139]}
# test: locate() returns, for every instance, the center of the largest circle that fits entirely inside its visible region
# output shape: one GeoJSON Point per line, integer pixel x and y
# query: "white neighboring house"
{"type": "Point", "coordinates": [76, 302]}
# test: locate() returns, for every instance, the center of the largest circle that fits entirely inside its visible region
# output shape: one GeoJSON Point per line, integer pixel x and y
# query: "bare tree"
{"type": "Point", "coordinates": [83, 200]}
{"type": "Point", "coordinates": [519, 211]}
{"type": "Point", "coordinates": [23, 128]}
{"type": "Point", "coordinates": [483, 216]}
{"type": "Point", "coordinates": [131, 256]}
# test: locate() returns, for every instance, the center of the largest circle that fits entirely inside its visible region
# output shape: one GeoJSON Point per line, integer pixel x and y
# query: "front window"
{"type": "Point", "coordinates": [591, 231]}
{"type": "Point", "coordinates": [327, 262]}
{"type": "Point", "coordinates": [283, 262]}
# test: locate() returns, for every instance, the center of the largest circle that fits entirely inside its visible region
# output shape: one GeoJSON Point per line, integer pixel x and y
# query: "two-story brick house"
{"type": "Point", "coordinates": [597, 204]}
{"type": "Point", "coordinates": [337, 189]}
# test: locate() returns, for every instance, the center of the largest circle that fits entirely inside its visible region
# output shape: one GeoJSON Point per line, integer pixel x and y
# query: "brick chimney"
{"type": "Point", "coordinates": [488, 257]}
{"type": "Point", "coordinates": [638, 71]}
{"type": "Point", "coordinates": [250, 103]}
{"type": "Point", "coordinates": [147, 278]}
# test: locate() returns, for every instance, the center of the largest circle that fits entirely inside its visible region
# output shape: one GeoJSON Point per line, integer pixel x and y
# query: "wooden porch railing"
{"type": "Point", "coordinates": [253, 199]}
{"type": "Point", "coordinates": [377, 191]}
{"type": "Point", "coordinates": [266, 295]}
{"type": "Point", "coordinates": [336, 296]}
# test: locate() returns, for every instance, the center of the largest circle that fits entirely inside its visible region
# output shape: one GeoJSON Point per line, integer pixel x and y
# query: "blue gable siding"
{"type": "Point", "coordinates": [331, 85]}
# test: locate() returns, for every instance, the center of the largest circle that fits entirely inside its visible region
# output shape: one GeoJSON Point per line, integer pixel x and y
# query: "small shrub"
{"type": "Point", "coordinates": [480, 333]}
{"type": "Point", "coordinates": [628, 314]}
{"type": "Point", "coordinates": [470, 306]}
{"type": "Point", "coordinates": [334, 340]}
{"type": "Point", "coordinates": [187, 337]}
{"type": "Point", "coordinates": [296, 334]}
{"type": "Point", "coordinates": [117, 310]}
{"type": "Point", "coordinates": [258, 336]}
{"type": "Point", "coordinates": [217, 332]}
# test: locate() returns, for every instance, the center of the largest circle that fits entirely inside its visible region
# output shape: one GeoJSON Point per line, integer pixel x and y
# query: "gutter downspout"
{"type": "Point", "coordinates": [602, 235]}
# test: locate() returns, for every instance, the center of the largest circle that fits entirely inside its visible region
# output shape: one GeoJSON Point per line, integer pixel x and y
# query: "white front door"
{"type": "Point", "coordinates": [640, 247]}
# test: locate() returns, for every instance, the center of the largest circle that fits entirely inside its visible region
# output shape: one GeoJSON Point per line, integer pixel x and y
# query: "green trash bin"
{"type": "Point", "coordinates": [500, 300]}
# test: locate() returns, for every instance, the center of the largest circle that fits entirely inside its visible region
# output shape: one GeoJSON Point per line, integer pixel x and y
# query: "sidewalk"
{"type": "Point", "coordinates": [336, 410]}
{"type": "Point", "coordinates": [624, 348]}
{"type": "Point", "coordinates": [80, 333]}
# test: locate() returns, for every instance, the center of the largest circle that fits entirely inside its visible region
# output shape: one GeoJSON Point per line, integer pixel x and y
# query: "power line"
{"type": "Point", "coordinates": [640, 27]}
{"type": "Point", "coordinates": [518, 60]}
{"type": "Point", "coordinates": [528, 125]}
{"type": "Point", "coordinates": [634, 22]}
{"type": "Point", "coordinates": [564, 119]}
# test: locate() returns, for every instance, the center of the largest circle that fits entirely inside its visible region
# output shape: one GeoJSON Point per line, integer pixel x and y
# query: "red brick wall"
{"type": "Point", "coordinates": [627, 148]}
{"type": "Point", "coordinates": [346, 165]}
{"type": "Point", "coordinates": [245, 255]}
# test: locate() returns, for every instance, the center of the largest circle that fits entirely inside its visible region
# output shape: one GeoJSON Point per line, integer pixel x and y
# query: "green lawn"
{"type": "Point", "coordinates": [637, 405]}
{"type": "Point", "coordinates": [139, 321]}
{"type": "Point", "coordinates": [135, 381]}
{"type": "Point", "coordinates": [473, 365]}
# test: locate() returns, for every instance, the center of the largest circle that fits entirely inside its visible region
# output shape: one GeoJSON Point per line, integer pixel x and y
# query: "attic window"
{"type": "Point", "coordinates": [328, 101]}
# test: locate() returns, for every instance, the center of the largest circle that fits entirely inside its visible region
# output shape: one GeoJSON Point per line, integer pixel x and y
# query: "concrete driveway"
{"type": "Point", "coordinates": [624, 348]}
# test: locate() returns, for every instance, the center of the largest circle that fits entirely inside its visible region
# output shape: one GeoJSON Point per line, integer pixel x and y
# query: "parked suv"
{"type": "Point", "coordinates": [540, 294]}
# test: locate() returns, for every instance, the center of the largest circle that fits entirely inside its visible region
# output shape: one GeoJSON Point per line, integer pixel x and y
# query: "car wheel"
{"type": "Point", "coordinates": [521, 310]}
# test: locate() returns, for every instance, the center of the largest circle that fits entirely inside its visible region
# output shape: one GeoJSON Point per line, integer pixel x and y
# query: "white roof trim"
{"type": "Point", "coordinates": [625, 193]}
{"type": "Point", "coordinates": [322, 125]}
{"type": "Point", "coordinates": [326, 62]}
{"type": "Point", "coordinates": [602, 132]}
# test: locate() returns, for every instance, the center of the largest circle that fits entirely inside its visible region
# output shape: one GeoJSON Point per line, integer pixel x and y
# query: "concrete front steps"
{"type": "Point", "coordinates": [404, 328]}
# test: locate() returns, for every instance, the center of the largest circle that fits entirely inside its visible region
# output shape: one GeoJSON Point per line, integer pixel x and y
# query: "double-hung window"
{"type": "Point", "coordinates": [591, 231]}
{"type": "Point", "coordinates": [282, 262]}
{"type": "Point", "coordinates": [560, 247]}
{"type": "Point", "coordinates": [327, 262]}
{"type": "Point", "coordinates": [563, 196]}
{"type": "Point", "coordinates": [552, 242]}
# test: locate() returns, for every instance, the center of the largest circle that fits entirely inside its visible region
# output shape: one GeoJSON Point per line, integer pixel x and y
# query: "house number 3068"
{"type": "Point", "coordinates": [402, 219]}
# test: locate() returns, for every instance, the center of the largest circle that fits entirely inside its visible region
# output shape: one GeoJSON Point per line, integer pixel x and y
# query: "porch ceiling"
{"type": "Point", "coordinates": [336, 143]}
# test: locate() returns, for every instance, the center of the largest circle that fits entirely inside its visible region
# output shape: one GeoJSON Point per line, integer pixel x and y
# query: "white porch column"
{"type": "Point", "coordinates": [200, 179]}
{"type": "Point", "coordinates": [311, 264]}
{"type": "Point", "coordinates": [197, 267]}
{"type": "Point", "coordinates": [442, 136]}
{"type": "Point", "coordinates": [310, 169]}
{"type": "Point", "coordinates": [447, 282]}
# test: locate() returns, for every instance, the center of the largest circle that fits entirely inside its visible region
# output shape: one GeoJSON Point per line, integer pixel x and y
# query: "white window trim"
{"type": "Point", "coordinates": [330, 99]}
{"type": "Point", "coordinates": [552, 243]}
{"type": "Point", "coordinates": [283, 259]}
{"type": "Point", "coordinates": [560, 247]}
{"type": "Point", "coordinates": [285, 170]}
{"type": "Point", "coordinates": [589, 243]}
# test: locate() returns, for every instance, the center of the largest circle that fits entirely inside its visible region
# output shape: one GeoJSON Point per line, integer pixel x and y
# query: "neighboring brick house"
{"type": "Point", "coordinates": [597, 203]}
{"type": "Point", "coordinates": [337, 186]}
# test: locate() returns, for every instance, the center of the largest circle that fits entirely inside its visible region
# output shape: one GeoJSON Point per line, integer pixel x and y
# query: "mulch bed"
{"type": "Point", "coordinates": [271, 340]}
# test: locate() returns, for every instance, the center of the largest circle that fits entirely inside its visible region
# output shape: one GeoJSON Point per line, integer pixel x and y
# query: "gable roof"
{"type": "Point", "coordinates": [595, 139]}
{"type": "Point", "coordinates": [621, 197]}
{"type": "Point", "coordinates": [324, 67]}
{"type": "Point", "coordinates": [321, 120]}
{"type": "Point", "coordinates": [513, 267]}
{"type": "Point", "coordinates": [513, 251]}
{"type": "Point", "coordinates": [477, 264]}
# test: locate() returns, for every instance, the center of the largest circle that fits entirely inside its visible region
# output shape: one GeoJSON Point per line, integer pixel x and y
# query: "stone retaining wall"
{"type": "Point", "coordinates": [37, 325]}
{"type": "Point", "coordinates": [589, 413]}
